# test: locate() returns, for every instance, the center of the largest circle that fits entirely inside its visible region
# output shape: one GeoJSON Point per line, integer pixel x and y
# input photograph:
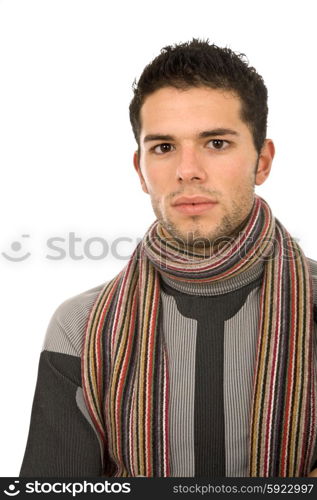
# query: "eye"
{"type": "Point", "coordinates": [165, 147]}
{"type": "Point", "coordinates": [218, 144]}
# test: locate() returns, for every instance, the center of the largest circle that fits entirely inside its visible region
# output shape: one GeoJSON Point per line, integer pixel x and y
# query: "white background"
{"type": "Point", "coordinates": [66, 146]}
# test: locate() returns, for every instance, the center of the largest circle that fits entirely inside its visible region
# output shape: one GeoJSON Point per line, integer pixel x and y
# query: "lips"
{"type": "Point", "coordinates": [193, 205]}
{"type": "Point", "coordinates": [192, 200]}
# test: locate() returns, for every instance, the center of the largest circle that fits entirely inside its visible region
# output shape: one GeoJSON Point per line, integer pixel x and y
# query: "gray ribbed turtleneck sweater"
{"type": "Point", "coordinates": [210, 332]}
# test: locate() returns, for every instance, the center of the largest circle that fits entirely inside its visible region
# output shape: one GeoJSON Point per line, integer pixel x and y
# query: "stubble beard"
{"type": "Point", "coordinates": [201, 241]}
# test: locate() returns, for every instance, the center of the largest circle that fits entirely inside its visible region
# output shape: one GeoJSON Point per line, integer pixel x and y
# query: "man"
{"type": "Point", "coordinates": [199, 358]}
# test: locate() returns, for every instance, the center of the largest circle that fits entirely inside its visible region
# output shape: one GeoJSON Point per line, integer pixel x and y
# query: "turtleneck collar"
{"type": "Point", "coordinates": [218, 287]}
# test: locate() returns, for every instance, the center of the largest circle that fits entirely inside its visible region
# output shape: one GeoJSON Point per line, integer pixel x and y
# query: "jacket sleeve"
{"type": "Point", "coordinates": [62, 440]}
{"type": "Point", "coordinates": [314, 462]}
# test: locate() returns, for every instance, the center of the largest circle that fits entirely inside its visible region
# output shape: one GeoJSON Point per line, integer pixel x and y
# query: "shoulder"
{"type": "Point", "coordinates": [313, 269]}
{"type": "Point", "coordinates": [67, 326]}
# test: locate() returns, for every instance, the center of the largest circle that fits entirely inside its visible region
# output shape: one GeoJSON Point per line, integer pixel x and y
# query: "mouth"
{"type": "Point", "coordinates": [194, 208]}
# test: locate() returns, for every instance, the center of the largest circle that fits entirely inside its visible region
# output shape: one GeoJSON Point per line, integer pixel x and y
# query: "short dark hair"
{"type": "Point", "coordinates": [198, 63]}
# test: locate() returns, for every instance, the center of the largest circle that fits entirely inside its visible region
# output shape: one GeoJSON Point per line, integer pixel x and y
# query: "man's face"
{"type": "Point", "coordinates": [194, 143]}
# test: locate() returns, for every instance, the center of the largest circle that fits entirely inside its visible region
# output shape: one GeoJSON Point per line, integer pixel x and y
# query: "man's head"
{"type": "Point", "coordinates": [198, 63]}
{"type": "Point", "coordinates": [199, 116]}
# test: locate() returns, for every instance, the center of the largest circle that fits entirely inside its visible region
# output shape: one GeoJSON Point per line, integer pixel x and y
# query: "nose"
{"type": "Point", "coordinates": [189, 165]}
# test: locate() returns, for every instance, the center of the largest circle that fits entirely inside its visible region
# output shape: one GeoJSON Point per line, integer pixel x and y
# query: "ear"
{"type": "Point", "coordinates": [137, 167]}
{"type": "Point", "coordinates": [265, 162]}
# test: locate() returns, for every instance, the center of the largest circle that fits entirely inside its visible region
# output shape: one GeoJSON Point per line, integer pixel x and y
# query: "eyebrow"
{"type": "Point", "coordinates": [206, 133]}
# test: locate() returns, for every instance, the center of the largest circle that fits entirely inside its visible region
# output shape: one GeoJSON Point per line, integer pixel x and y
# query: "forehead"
{"type": "Point", "coordinates": [197, 107]}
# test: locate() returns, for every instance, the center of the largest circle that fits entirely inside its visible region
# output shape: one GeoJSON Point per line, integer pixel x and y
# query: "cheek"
{"type": "Point", "coordinates": [238, 173]}
{"type": "Point", "coordinates": [156, 183]}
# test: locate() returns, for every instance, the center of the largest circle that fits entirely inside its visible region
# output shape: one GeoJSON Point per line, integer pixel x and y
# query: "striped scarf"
{"type": "Point", "coordinates": [124, 361]}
